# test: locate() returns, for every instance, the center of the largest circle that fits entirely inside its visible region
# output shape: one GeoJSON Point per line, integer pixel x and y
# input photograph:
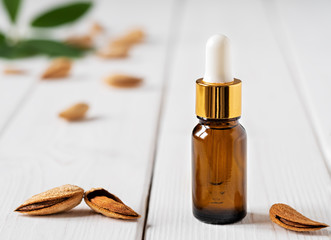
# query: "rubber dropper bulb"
{"type": "Point", "coordinates": [218, 60]}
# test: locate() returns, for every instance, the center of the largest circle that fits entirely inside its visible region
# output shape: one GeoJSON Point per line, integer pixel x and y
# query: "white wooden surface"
{"type": "Point", "coordinates": [282, 55]}
{"type": "Point", "coordinates": [310, 66]}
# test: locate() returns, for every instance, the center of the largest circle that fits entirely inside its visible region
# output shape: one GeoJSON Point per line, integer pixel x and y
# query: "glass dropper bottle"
{"type": "Point", "coordinates": [218, 141]}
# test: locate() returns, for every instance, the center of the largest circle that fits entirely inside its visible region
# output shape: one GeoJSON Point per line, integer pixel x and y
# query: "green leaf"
{"type": "Point", "coordinates": [17, 51]}
{"type": "Point", "coordinates": [33, 47]}
{"type": "Point", "coordinates": [12, 7]}
{"type": "Point", "coordinates": [53, 48]}
{"type": "Point", "coordinates": [61, 15]}
{"type": "Point", "coordinates": [2, 38]}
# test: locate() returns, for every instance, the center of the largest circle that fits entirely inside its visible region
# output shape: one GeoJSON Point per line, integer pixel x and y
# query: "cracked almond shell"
{"type": "Point", "coordinates": [123, 81]}
{"type": "Point", "coordinates": [75, 112]}
{"type": "Point", "coordinates": [132, 37]}
{"type": "Point", "coordinates": [55, 200]}
{"type": "Point", "coordinates": [84, 41]}
{"type": "Point", "coordinates": [59, 68]}
{"type": "Point", "coordinates": [287, 217]}
{"type": "Point", "coordinates": [102, 201]}
{"type": "Point", "coordinates": [13, 71]}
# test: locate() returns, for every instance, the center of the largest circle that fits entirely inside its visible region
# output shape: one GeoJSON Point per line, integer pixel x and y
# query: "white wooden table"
{"type": "Point", "coordinates": [136, 143]}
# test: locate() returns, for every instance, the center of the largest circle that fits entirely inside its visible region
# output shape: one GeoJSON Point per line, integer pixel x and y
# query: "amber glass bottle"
{"type": "Point", "coordinates": [219, 154]}
{"type": "Point", "coordinates": [219, 171]}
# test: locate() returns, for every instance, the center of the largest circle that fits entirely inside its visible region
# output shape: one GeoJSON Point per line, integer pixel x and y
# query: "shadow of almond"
{"type": "Point", "coordinates": [88, 119]}
{"type": "Point", "coordinates": [74, 213]}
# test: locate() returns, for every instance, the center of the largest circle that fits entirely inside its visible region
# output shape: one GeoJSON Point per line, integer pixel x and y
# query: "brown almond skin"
{"type": "Point", "coordinates": [75, 112]}
{"type": "Point", "coordinates": [287, 217]}
{"type": "Point", "coordinates": [114, 52]}
{"type": "Point", "coordinates": [13, 71]}
{"type": "Point", "coordinates": [84, 41]}
{"type": "Point", "coordinates": [55, 200]}
{"type": "Point", "coordinates": [102, 201]}
{"type": "Point", "coordinates": [123, 81]}
{"type": "Point", "coordinates": [59, 68]}
{"type": "Point", "coordinates": [130, 38]}
{"type": "Point", "coordinates": [96, 29]}
{"type": "Point", "coordinates": [120, 47]}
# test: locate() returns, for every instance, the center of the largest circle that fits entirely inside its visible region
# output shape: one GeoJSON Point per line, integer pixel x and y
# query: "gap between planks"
{"type": "Point", "coordinates": [291, 62]}
{"type": "Point", "coordinates": [26, 95]}
{"type": "Point", "coordinates": [176, 20]}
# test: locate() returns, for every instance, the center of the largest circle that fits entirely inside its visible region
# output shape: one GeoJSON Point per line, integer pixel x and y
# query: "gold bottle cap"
{"type": "Point", "coordinates": [218, 100]}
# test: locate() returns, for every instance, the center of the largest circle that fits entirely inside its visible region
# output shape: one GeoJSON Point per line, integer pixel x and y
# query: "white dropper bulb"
{"type": "Point", "coordinates": [218, 60]}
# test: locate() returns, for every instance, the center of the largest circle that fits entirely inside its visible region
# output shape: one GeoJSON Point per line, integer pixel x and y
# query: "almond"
{"type": "Point", "coordinates": [123, 81]}
{"type": "Point", "coordinates": [114, 52]}
{"type": "Point", "coordinates": [132, 37]}
{"type": "Point", "coordinates": [59, 68]}
{"type": "Point", "coordinates": [84, 41]}
{"type": "Point", "coordinates": [55, 200]}
{"type": "Point", "coordinates": [96, 29]}
{"type": "Point", "coordinates": [287, 217]}
{"type": "Point", "coordinates": [13, 71]}
{"type": "Point", "coordinates": [75, 112]}
{"type": "Point", "coordinates": [106, 203]}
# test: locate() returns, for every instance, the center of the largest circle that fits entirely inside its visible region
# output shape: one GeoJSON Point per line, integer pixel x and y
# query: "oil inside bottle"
{"type": "Point", "coordinates": [219, 171]}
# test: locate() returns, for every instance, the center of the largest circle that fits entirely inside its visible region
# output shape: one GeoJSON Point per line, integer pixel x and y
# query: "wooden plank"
{"type": "Point", "coordinates": [112, 148]}
{"type": "Point", "coordinates": [284, 162]}
{"type": "Point", "coordinates": [306, 48]}
{"type": "Point", "coordinates": [15, 89]}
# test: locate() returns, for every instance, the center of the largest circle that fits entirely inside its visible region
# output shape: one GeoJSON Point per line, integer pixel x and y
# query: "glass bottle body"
{"type": "Point", "coordinates": [219, 171]}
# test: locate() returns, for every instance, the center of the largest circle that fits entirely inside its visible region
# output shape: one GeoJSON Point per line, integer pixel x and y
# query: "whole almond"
{"type": "Point", "coordinates": [123, 81]}
{"type": "Point", "coordinates": [132, 37]}
{"type": "Point", "coordinates": [102, 201]}
{"type": "Point", "coordinates": [120, 51]}
{"type": "Point", "coordinates": [84, 41]}
{"type": "Point", "coordinates": [55, 200]}
{"type": "Point", "coordinates": [13, 71]}
{"type": "Point", "coordinates": [75, 112]}
{"type": "Point", "coordinates": [96, 29]}
{"type": "Point", "coordinates": [287, 217]}
{"type": "Point", "coordinates": [59, 68]}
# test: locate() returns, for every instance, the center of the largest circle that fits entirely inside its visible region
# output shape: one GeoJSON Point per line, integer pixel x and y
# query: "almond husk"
{"type": "Point", "coordinates": [59, 68]}
{"type": "Point", "coordinates": [55, 200]}
{"type": "Point", "coordinates": [123, 81]}
{"type": "Point", "coordinates": [84, 41]}
{"type": "Point", "coordinates": [102, 201]}
{"type": "Point", "coordinates": [75, 112]}
{"type": "Point", "coordinates": [13, 71]}
{"type": "Point", "coordinates": [120, 51]}
{"type": "Point", "coordinates": [96, 29]}
{"type": "Point", "coordinates": [120, 47]}
{"type": "Point", "coordinates": [132, 37]}
{"type": "Point", "coordinates": [287, 217]}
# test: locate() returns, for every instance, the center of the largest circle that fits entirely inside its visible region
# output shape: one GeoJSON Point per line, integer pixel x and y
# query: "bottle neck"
{"type": "Point", "coordinates": [219, 123]}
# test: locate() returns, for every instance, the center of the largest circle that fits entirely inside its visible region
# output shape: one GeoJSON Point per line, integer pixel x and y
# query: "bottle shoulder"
{"type": "Point", "coordinates": [203, 131]}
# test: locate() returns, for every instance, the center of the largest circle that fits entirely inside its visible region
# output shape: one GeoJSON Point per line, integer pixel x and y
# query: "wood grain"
{"type": "Point", "coordinates": [285, 164]}
{"type": "Point", "coordinates": [308, 55]}
{"type": "Point", "coordinates": [14, 89]}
